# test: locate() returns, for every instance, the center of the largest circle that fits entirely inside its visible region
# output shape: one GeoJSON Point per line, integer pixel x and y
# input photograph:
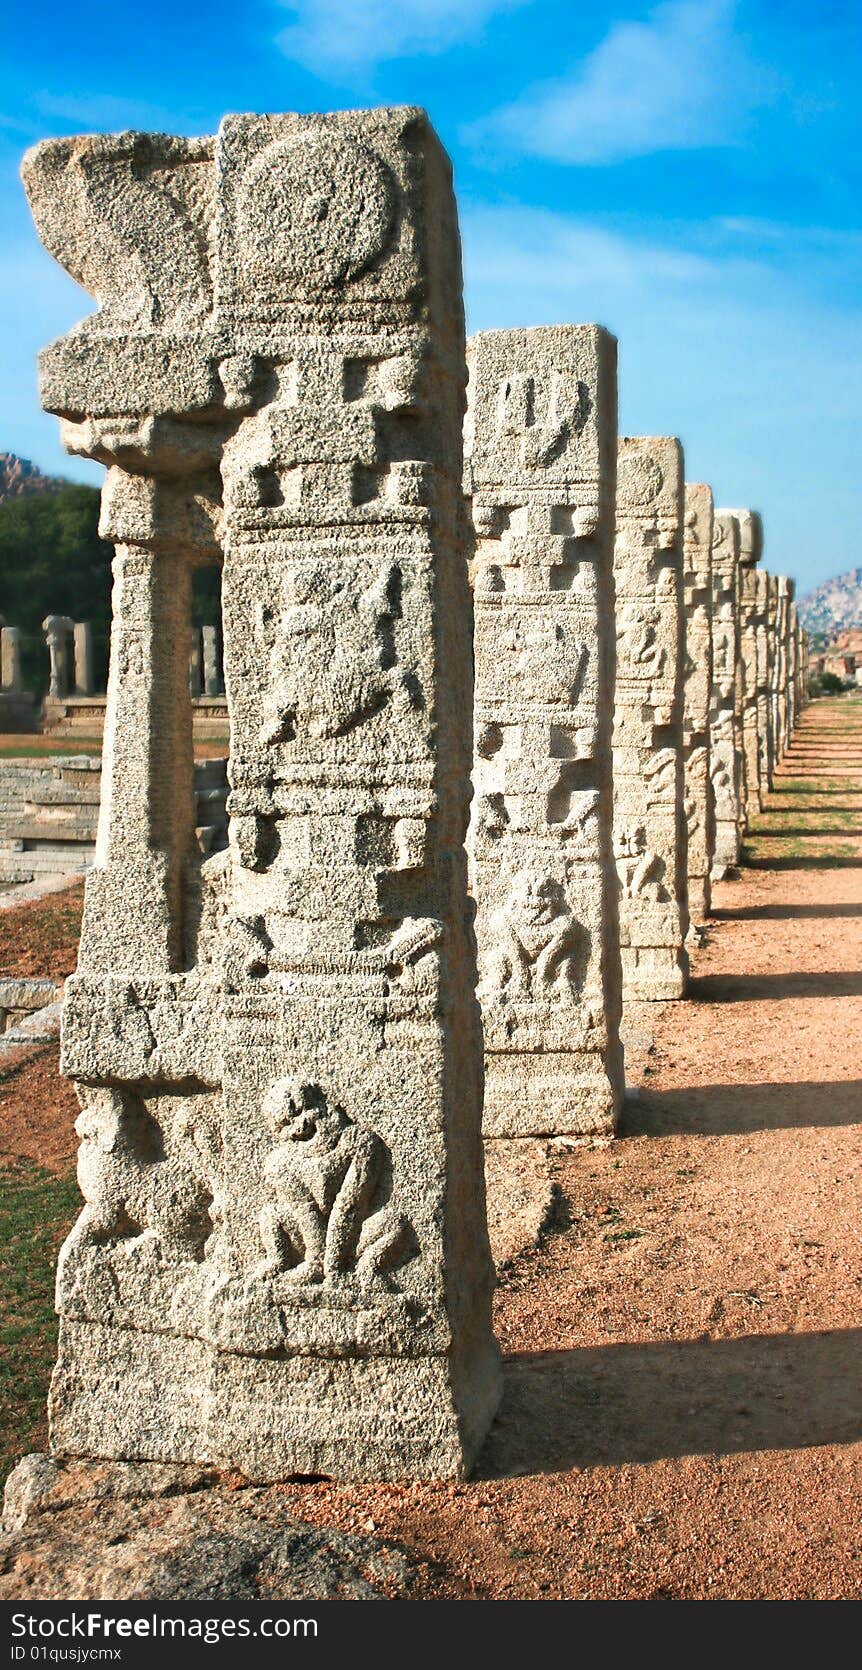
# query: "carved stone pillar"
{"type": "Point", "coordinates": [725, 737]}
{"type": "Point", "coordinates": [541, 434]}
{"type": "Point", "coordinates": [283, 1263]}
{"type": "Point", "coordinates": [697, 588]}
{"type": "Point", "coordinates": [649, 790]}
{"type": "Point", "coordinates": [750, 551]}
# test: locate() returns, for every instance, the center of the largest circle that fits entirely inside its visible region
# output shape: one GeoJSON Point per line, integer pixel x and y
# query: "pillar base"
{"type": "Point", "coordinates": [123, 1395]}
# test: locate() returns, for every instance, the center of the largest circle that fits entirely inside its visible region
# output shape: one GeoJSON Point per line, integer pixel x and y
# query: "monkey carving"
{"type": "Point", "coordinates": [536, 941]}
{"type": "Point", "coordinates": [329, 1177]}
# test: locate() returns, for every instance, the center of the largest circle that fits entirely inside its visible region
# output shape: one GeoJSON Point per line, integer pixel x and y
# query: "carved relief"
{"type": "Point", "coordinates": [331, 1214]}
{"type": "Point", "coordinates": [538, 947]}
{"type": "Point", "coordinates": [334, 657]}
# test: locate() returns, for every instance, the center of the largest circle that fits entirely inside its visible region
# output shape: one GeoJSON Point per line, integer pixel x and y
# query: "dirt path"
{"type": "Point", "coordinates": [684, 1379]}
{"type": "Point", "coordinates": [683, 1415]}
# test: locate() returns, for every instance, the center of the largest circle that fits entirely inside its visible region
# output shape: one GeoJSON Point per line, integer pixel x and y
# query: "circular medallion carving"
{"type": "Point", "coordinates": [316, 209]}
{"type": "Point", "coordinates": [641, 477]}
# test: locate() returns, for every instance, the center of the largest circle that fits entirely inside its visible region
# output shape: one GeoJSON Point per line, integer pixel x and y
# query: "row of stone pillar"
{"type": "Point", "coordinates": [638, 677]}
{"type": "Point", "coordinates": [283, 1263]}
{"type": "Point", "coordinates": [63, 635]}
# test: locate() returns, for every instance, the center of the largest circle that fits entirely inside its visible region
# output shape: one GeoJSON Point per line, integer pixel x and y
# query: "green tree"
{"type": "Point", "coordinates": [52, 562]}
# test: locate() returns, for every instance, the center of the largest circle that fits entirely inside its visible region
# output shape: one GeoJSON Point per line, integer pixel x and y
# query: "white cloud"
{"type": "Point", "coordinates": [336, 37]}
{"type": "Point", "coordinates": [751, 353]}
{"type": "Point", "coordinates": [681, 80]}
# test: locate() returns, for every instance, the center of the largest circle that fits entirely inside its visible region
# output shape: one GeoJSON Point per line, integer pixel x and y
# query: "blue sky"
{"type": "Point", "coordinates": [687, 173]}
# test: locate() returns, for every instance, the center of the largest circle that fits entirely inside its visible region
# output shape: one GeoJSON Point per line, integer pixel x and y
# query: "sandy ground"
{"type": "Point", "coordinates": [682, 1415]}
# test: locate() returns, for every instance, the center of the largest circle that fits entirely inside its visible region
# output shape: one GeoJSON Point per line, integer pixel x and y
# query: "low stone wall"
{"type": "Point", "coordinates": [19, 999]}
{"type": "Point", "coordinates": [49, 810]}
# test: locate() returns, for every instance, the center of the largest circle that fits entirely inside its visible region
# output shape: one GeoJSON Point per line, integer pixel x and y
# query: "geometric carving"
{"type": "Point", "coordinates": [275, 383]}
{"type": "Point", "coordinates": [540, 437]}
{"type": "Point", "coordinates": [650, 845]}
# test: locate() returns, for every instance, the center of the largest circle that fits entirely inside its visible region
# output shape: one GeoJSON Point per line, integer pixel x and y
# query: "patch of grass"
{"type": "Point", "coordinates": [625, 1234]}
{"type": "Point", "coordinates": [36, 1212]}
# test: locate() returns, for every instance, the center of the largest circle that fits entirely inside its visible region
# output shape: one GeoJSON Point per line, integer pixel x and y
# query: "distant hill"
{"type": "Point", "coordinates": [834, 607]}
{"type": "Point", "coordinates": [18, 477]}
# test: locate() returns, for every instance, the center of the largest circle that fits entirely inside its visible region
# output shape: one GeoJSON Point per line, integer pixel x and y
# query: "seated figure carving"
{"type": "Point", "coordinates": [535, 942]}
{"type": "Point", "coordinates": [330, 1179]}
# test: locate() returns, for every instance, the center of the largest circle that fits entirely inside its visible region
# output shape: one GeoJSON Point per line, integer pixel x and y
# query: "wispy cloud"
{"type": "Point", "coordinates": [342, 37]}
{"type": "Point", "coordinates": [682, 80]}
{"type": "Point", "coordinates": [105, 112]}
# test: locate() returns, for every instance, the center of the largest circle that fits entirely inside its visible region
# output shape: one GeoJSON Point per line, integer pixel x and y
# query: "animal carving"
{"type": "Point", "coordinates": [330, 1215]}
{"type": "Point", "coordinates": [139, 1185]}
{"type": "Point", "coordinates": [640, 870]}
{"type": "Point", "coordinates": [536, 942]}
{"type": "Point", "coordinates": [333, 661]}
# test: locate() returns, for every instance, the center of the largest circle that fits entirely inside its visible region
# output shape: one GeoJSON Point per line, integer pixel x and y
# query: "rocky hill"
{"type": "Point", "coordinates": [835, 606]}
{"type": "Point", "coordinates": [19, 477]}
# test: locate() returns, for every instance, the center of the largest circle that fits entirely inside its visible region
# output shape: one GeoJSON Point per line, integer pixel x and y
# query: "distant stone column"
{"type": "Point", "coordinates": [196, 676]}
{"type": "Point", "coordinates": [697, 589]}
{"type": "Point", "coordinates": [773, 653]}
{"type": "Point", "coordinates": [792, 673]}
{"type": "Point", "coordinates": [212, 684]}
{"type": "Point", "coordinates": [283, 1263]}
{"type": "Point", "coordinates": [725, 734]}
{"type": "Point", "coordinates": [750, 551]}
{"type": "Point", "coordinates": [764, 755]}
{"type": "Point", "coordinates": [541, 437]}
{"type": "Point", "coordinates": [649, 790]}
{"type": "Point", "coordinates": [83, 642]}
{"type": "Point", "coordinates": [10, 659]}
{"type": "Point", "coordinates": [785, 598]}
{"type": "Point", "coordinates": [57, 629]}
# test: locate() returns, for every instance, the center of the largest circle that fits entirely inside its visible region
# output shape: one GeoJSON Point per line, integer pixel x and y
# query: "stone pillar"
{"type": "Point", "coordinates": [211, 676]}
{"type": "Point", "coordinates": [283, 1263]}
{"type": "Point", "coordinates": [697, 591]}
{"type": "Point", "coordinates": [785, 598]}
{"type": "Point", "coordinates": [10, 659]}
{"type": "Point", "coordinates": [793, 672]}
{"type": "Point", "coordinates": [724, 727]}
{"type": "Point", "coordinates": [83, 644]}
{"type": "Point", "coordinates": [762, 648]}
{"type": "Point", "coordinates": [57, 629]}
{"type": "Point", "coordinates": [196, 679]}
{"type": "Point", "coordinates": [750, 550]}
{"type": "Point", "coordinates": [541, 432]}
{"type": "Point", "coordinates": [649, 794]}
{"type": "Point", "coordinates": [773, 652]}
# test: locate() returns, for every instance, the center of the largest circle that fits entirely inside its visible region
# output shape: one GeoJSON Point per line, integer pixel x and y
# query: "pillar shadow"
{"type": "Point", "coordinates": [784, 913]}
{"type": "Point", "coordinates": [813, 831]}
{"type": "Point", "coordinates": [741, 1109]}
{"type": "Point", "coordinates": [633, 1403]}
{"type": "Point", "coordinates": [813, 861]}
{"type": "Point", "coordinates": [757, 988]}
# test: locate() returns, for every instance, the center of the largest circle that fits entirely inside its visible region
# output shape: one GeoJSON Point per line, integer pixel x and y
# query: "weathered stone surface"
{"type": "Point", "coordinates": [541, 437]}
{"type": "Point", "coordinates": [697, 592]}
{"type": "Point", "coordinates": [725, 730]}
{"type": "Point", "coordinates": [649, 790]}
{"type": "Point", "coordinates": [283, 1262]}
{"type": "Point", "coordinates": [85, 1531]}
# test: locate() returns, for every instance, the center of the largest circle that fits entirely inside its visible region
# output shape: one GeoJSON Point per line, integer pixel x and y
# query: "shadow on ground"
{"type": "Point", "coordinates": [738, 1109]}
{"type": "Point", "coordinates": [784, 913]}
{"type": "Point", "coordinates": [617, 1404]}
{"type": "Point", "coordinates": [758, 988]}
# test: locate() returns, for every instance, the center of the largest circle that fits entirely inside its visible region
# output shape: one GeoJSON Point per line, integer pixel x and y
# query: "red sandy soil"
{"type": "Point", "coordinates": [683, 1417]}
